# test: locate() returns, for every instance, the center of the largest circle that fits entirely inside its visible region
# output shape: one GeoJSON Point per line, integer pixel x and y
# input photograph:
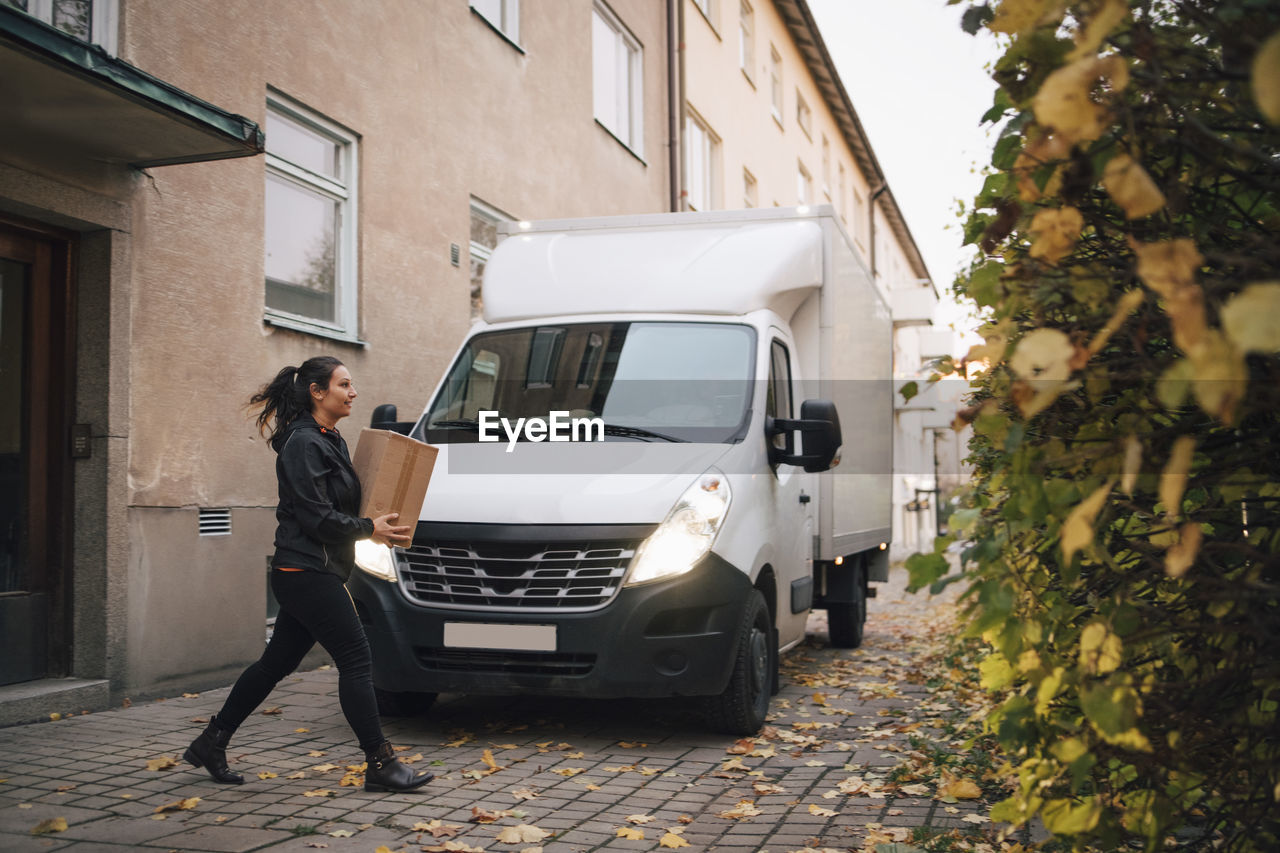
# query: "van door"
{"type": "Point", "coordinates": [793, 506]}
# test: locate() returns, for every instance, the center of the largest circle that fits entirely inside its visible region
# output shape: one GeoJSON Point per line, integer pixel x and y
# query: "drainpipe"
{"type": "Point", "coordinates": [675, 100]}
{"type": "Point", "coordinates": [871, 225]}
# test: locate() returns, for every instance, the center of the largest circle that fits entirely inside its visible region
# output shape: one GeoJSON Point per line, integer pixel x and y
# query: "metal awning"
{"type": "Point", "coordinates": [61, 97]}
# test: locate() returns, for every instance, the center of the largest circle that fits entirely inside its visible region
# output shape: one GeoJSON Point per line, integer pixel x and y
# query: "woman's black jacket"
{"type": "Point", "coordinates": [318, 519]}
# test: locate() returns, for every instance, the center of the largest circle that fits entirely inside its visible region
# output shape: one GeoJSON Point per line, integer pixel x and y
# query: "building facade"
{"type": "Point", "coordinates": [195, 195]}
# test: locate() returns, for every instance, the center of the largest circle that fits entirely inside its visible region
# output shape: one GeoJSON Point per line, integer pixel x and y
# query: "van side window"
{"type": "Point", "coordinates": [544, 356]}
{"type": "Point", "coordinates": [778, 402]}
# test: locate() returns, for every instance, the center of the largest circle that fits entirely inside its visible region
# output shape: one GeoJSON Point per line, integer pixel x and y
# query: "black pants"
{"type": "Point", "coordinates": [315, 607]}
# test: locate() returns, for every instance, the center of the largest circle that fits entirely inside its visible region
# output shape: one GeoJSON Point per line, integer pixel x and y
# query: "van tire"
{"type": "Point", "coordinates": [407, 704]}
{"type": "Point", "coordinates": [742, 707]}
{"type": "Point", "coordinates": [845, 619]}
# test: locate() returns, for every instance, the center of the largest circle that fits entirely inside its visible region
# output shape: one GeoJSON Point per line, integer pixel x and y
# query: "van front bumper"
{"type": "Point", "coordinates": [673, 637]}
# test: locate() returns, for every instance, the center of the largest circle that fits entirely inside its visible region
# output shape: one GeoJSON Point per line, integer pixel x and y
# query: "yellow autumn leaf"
{"type": "Point", "coordinates": [1126, 306]}
{"type": "Point", "coordinates": [1100, 650]}
{"type": "Point", "coordinates": [631, 833]}
{"type": "Point", "coordinates": [672, 839]}
{"type": "Point", "coordinates": [1265, 78]}
{"type": "Point", "coordinates": [1099, 26]}
{"type": "Point", "coordinates": [1251, 318]}
{"type": "Point", "coordinates": [522, 834]}
{"type": "Point", "coordinates": [1132, 464]}
{"type": "Point", "coordinates": [1057, 232]}
{"type": "Point", "coordinates": [819, 811]}
{"type": "Point", "coordinates": [178, 805]}
{"type": "Point", "coordinates": [1077, 530]}
{"type": "Point", "coordinates": [1168, 266]}
{"type": "Point", "coordinates": [954, 786]}
{"type": "Point", "coordinates": [1179, 558]}
{"type": "Point", "coordinates": [266, 774]}
{"type": "Point", "coordinates": [1019, 16]}
{"type": "Point", "coordinates": [744, 808]}
{"type": "Point", "coordinates": [1043, 354]}
{"type": "Point", "coordinates": [319, 792]}
{"type": "Point", "coordinates": [487, 758]}
{"type": "Point", "coordinates": [1065, 100]}
{"type": "Point", "coordinates": [1173, 479]}
{"type": "Point", "coordinates": [163, 763]}
{"type": "Point", "coordinates": [639, 819]}
{"type": "Point", "coordinates": [570, 771]}
{"type": "Point", "coordinates": [1220, 375]}
{"type": "Point", "coordinates": [53, 824]}
{"type": "Point", "coordinates": [1131, 187]}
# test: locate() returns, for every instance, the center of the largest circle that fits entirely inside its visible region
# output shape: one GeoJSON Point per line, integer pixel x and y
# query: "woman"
{"type": "Point", "coordinates": [318, 526]}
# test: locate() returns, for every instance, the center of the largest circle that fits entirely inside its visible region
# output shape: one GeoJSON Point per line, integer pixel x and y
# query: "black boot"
{"type": "Point", "coordinates": [385, 772]}
{"type": "Point", "coordinates": [210, 752]}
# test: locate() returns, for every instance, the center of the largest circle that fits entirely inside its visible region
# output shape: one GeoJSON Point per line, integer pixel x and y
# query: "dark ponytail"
{"type": "Point", "coordinates": [288, 395]}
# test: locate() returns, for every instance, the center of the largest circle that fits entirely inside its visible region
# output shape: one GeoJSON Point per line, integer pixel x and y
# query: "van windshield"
{"type": "Point", "coordinates": [645, 381]}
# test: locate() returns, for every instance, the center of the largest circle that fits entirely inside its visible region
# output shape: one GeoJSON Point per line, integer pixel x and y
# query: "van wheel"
{"type": "Point", "coordinates": [845, 619]}
{"type": "Point", "coordinates": [744, 704]}
{"type": "Point", "coordinates": [408, 704]}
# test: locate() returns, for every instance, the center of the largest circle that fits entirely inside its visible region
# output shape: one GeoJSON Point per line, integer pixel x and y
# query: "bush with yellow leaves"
{"type": "Point", "coordinates": [1123, 529]}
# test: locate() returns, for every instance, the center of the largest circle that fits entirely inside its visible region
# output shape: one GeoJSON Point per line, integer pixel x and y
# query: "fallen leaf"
{"type": "Point", "coordinates": [62, 789]}
{"type": "Point", "coordinates": [744, 809]}
{"type": "Point", "coordinates": [672, 839]}
{"type": "Point", "coordinates": [961, 789]}
{"type": "Point", "coordinates": [765, 788]}
{"type": "Point", "coordinates": [53, 824]}
{"type": "Point", "coordinates": [317, 844]}
{"type": "Point", "coordinates": [320, 792]}
{"type": "Point", "coordinates": [820, 811]}
{"type": "Point", "coordinates": [190, 695]}
{"type": "Point", "coordinates": [298, 775]}
{"type": "Point", "coordinates": [524, 794]}
{"type": "Point", "coordinates": [325, 768]}
{"type": "Point", "coordinates": [734, 764]}
{"type": "Point", "coordinates": [266, 774]}
{"type": "Point", "coordinates": [479, 815]}
{"type": "Point", "coordinates": [301, 731]}
{"type": "Point", "coordinates": [341, 833]}
{"type": "Point", "coordinates": [162, 763]}
{"type": "Point", "coordinates": [570, 771]}
{"type": "Point", "coordinates": [742, 746]}
{"type": "Point", "coordinates": [317, 753]}
{"type": "Point", "coordinates": [975, 818]}
{"type": "Point", "coordinates": [272, 712]}
{"type": "Point", "coordinates": [626, 744]}
{"type": "Point", "coordinates": [640, 819]}
{"type": "Point", "coordinates": [630, 833]}
{"type": "Point", "coordinates": [487, 758]}
{"type": "Point", "coordinates": [179, 805]}
{"type": "Point", "coordinates": [522, 834]}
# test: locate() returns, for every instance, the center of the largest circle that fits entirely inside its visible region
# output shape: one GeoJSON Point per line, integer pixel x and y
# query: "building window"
{"type": "Point", "coordinates": [747, 40]}
{"type": "Point", "coordinates": [826, 167]}
{"type": "Point", "coordinates": [804, 185]}
{"type": "Point", "coordinates": [708, 8]}
{"type": "Point", "coordinates": [750, 190]}
{"type": "Point", "coordinates": [94, 21]}
{"type": "Point", "coordinates": [310, 231]}
{"type": "Point", "coordinates": [617, 68]}
{"type": "Point", "coordinates": [702, 154]}
{"type": "Point", "coordinates": [804, 116]}
{"type": "Point", "coordinates": [502, 15]}
{"type": "Point", "coordinates": [840, 190]}
{"type": "Point", "coordinates": [484, 239]}
{"type": "Point", "coordinates": [775, 83]}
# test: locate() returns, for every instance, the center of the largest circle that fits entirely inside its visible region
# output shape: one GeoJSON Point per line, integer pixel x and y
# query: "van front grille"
{"type": "Point", "coordinates": [524, 576]}
{"type": "Point", "coordinates": [505, 662]}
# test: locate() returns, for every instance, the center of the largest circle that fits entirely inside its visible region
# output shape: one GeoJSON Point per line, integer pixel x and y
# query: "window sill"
{"type": "Point", "coordinates": [621, 142]}
{"type": "Point", "coordinates": [747, 75]}
{"type": "Point", "coordinates": [298, 324]}
{"type": "Point", "coordinates": [508, 39]}
{"type": "Point", "coordinates": [777, 118]}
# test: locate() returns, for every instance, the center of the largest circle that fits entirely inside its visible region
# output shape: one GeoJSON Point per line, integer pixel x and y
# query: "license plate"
{"type": "Point", "coordinates": [488, 635]}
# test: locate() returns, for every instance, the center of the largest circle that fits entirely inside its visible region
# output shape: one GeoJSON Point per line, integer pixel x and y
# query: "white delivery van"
{"type": "Point", "coordinates": [635, 493]}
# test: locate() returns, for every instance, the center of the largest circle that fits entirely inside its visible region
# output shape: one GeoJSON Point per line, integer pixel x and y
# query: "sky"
{"type": "Point", "coordinates": [919, 87]}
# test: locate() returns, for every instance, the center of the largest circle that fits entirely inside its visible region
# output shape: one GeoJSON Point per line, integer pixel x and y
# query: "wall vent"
{"type": "Point", "coordinates": [215, 522]}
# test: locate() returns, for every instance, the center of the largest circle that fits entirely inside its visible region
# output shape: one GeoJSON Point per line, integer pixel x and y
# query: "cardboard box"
{"type": "Point", "coordinates": [394, 471]}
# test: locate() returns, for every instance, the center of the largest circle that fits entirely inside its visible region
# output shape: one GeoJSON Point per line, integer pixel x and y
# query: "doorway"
{"type": "Point", "coordinates": [36, 369]}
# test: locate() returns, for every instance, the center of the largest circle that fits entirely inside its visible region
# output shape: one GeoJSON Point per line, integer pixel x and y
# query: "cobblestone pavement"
{"type": "Point", "coordinates": [577, 769]}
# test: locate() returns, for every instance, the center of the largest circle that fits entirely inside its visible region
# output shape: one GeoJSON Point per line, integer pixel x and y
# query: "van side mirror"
{"type": "Point", "coordinates": [384, 417]}
{"type": "Point", "coordinates": [819, 426]}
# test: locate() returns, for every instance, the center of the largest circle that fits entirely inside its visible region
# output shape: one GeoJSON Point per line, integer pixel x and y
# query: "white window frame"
{"type": "Point", "coordinates": [804, 184]}
{"type": "Point", "coordinates": [710, 10]}
{"type": "Point", "coordinates": [747, 40]}
{"type": "Point", "coordinates": [630, 76]}
{"type": "Point", "coordinates": [750, 189]}
{"type": "Point", "coordinates": [826, 167]}
{"type": "Point", "coordinates": [775, 84]}
{"type": "Point", "coordinates": [702, 185]}
{"type": "Point", "coordinates": [104, 20]}
{"type": "Point", "coordinates": [804, 115]}
{"type": "Point", "coordinates": [508, 23]}
{"type": "Point", "coordinates": [345, 326]}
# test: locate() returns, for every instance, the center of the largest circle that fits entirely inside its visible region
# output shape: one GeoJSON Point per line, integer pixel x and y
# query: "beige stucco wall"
{"type": "Point", "coordinates": [445, 110]}
{"type": "Point", "coordinates": [739, 110]}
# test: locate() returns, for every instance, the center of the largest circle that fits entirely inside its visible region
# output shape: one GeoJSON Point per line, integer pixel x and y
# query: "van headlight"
{"type": "Point", "coordinates": [687, 533]}
{"type": "Point", "coordinates": [375, 559]}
